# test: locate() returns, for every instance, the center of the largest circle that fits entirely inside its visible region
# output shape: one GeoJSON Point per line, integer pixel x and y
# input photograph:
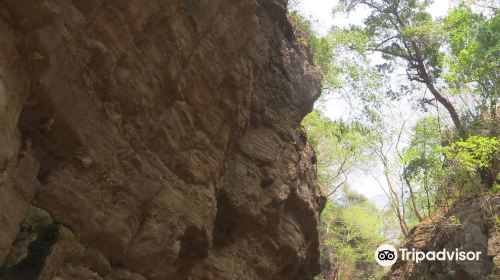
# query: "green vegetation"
{"type": "Point", "coordinates": [339, 146]}
{"type": "Point", "coordinates": [424, 121]}
{"type": "Point", "coordinates": [351, 226]}
{"type": "Point", "coordinates": [351, 229]}
{"type": "Point", "coordinates": [320, 46]}
{"type": "Point", "coordinates": [475, 153]}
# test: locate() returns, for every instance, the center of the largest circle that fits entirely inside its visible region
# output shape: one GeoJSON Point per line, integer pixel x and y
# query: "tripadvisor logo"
{"type": "Point", "coordinates": [387, 255]}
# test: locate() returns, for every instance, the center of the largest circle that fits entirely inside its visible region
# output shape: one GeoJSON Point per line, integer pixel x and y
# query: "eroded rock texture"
{"type": "Point", "coordinates": [469, 226]}
{"type": "Point", "coordinates": [155, 139]}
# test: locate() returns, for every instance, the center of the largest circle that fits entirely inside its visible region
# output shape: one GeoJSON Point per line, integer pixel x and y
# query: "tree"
{"type": "Point", "coordinates": [351, 229]}
{"type": "Point", "coordinates": [454, 62]}
{"type": "Point", "coordinates": [474, 59]}
{"type": "Point", "coordinates": [476, 155]}
{"type": "Point", "coordinates": [403, 32]}
{"type": "Point", "coordinates": [423, 163]}
{"type": "Point", "coordinates": [459, 55]}
{"type": "Point", "coordinates": [381, 150]}
{"type": "Point", "coordinates": [340, 147]}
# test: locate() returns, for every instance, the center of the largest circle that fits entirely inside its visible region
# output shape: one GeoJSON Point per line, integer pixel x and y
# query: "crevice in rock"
{"type": "Point", "coordinates": [194, 244]}
{"type": "Point", "coordinates": [194, 247]}
{"type": "Point", "coordinates": [225, 222]}
{"type": "Point", "coordinates": [38, 250]}
{"type": "Point", "coordinates": [266, 182]}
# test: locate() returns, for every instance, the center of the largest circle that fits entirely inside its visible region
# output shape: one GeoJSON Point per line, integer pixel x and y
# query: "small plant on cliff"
{"type": "Point", "coordinates": [321, 47]}
{"type": "Point", "coordinates": [453, 221]}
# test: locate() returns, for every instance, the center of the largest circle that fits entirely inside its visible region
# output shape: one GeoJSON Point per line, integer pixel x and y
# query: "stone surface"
{"type": "Point", "coordinates": [162, 138]}
{"type": "Point", "coordinates": [468, 226]}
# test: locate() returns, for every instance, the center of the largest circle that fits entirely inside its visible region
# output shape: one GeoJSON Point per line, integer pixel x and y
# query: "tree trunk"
{"type": "Point", "coordinates": [396, 205]}
{"type": "Point", "coordinates": [424, 75]}
{"type": "Point", "coordinates": [413, 202]}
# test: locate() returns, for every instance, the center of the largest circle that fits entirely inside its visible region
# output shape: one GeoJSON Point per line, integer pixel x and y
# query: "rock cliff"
{"type": "Point", "coordinates": [155, 139]}
{"type": "Point", "coordinates": [471, 225]}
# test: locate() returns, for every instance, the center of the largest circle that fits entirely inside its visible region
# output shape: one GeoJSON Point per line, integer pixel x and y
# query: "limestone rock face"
{"type": "Point", "coordinates": [469, 226]}
{"type": "Point", "coordinates": [155, 139]}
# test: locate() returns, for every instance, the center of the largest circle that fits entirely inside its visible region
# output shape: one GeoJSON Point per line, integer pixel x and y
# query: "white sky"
{"type": "Point", "coordinates": [320, 12]}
